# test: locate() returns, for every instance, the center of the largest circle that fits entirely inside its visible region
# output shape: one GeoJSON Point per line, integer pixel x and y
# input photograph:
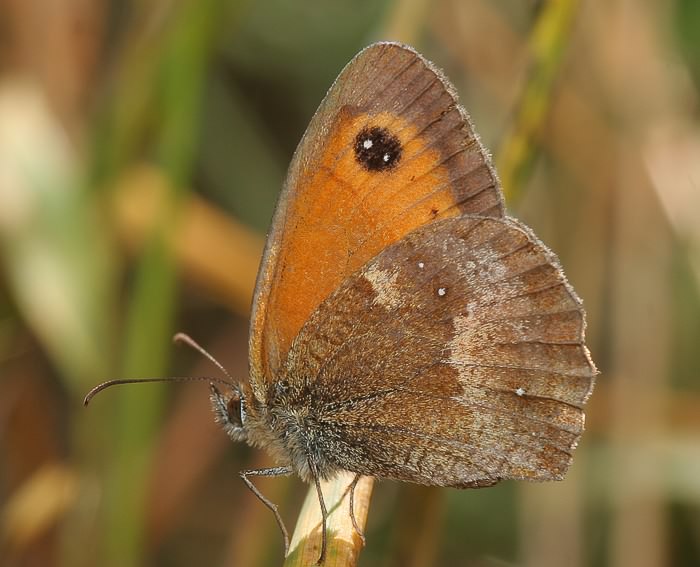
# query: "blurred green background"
{"type": "Point", "coordinates": [142, 147]}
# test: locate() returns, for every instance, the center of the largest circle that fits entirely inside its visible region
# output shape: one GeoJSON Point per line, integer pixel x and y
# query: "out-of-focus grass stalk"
{"type": "Point", "coordinates": [207, 243]}
{"type": "Point", "coordinates": [179, 70]}
{"type": "Point", "coordinates": [59, 264]}
{"type": "Point", "coordinates": [52, 249]}
{"type": "Point", "coordinates": [547, 44]}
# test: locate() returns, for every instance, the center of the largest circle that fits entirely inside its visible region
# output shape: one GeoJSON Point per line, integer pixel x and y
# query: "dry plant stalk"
{"type": "Point", "coordinates": [344, 543]}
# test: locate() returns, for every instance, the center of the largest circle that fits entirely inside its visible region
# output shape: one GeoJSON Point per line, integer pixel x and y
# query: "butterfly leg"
{"type": "Point", "coordinates": [275, 471]}
{"type": "Point", "coordinates": [324, 517]}
{"type": "Point", "coordinates": [353, 484]}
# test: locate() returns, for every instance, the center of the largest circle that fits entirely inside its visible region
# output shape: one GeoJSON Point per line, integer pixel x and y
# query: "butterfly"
{"type": "Point", "coordinates": [403, 327]}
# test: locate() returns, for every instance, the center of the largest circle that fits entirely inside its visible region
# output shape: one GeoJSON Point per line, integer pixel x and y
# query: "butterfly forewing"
{"type": "Point", "coordinates": [389, 150]}
{"type": "Point", "coordinates": [471, 315]}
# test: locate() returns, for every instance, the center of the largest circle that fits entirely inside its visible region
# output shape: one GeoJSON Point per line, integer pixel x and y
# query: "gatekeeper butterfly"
{"type": "Point", "coordinates": [403, 326]}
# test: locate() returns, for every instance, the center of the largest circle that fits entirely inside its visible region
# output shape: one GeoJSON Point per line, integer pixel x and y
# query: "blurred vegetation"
{"type": "Point", "coordinates": [142, 147]}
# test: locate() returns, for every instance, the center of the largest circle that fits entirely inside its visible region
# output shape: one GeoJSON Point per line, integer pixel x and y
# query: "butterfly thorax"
{"type": "Point", "coordinates": [295, 431]}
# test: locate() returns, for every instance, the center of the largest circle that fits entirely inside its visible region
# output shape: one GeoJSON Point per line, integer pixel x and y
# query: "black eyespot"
{"type": "Point", "coordinates": [377, 149]}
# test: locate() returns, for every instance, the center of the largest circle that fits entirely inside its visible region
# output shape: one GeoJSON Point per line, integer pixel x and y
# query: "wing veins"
{"type": "Point", "coordinates": [569, 373]}
{"type": "Point", "coordinates": [426, 197]}
{"type": "Point", "coordinates": [431, 195]}
{"type": "Point", "coordinates": [455, 443]}
{"type": "Point", "coordinates": [471, 196]}
{"type": "Point", "coordinates": [526, 315]}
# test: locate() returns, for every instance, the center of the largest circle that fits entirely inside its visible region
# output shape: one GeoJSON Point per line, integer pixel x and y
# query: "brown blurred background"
{"type": "Point", "coordinates": [142, 146]}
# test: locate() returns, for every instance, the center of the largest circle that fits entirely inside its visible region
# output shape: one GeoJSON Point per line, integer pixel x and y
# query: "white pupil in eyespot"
{"type": "Point", "coordinates": [386, 158]}
{"type": "Point", "coordinates": [367, 144]}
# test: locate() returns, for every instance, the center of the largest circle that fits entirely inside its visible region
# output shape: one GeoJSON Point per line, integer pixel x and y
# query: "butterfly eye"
{"type": "Point", "coordinates": [234, 409]}
{"type": "Point", "coordinates": [377, 149]}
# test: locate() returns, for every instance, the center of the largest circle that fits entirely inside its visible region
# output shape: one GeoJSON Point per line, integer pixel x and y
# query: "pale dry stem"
{"type": "Point", "coordinates": [344, 543]}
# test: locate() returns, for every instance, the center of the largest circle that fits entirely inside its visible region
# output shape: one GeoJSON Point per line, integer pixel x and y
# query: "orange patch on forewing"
{"type": "Point", "coordinates": [344, 214]}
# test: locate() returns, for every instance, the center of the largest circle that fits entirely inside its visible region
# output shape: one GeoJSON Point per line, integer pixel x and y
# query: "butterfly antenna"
{"type": "Point", "coordinates": [178, 338]}
{"type": "Point", "coordinates": [189, 341]}
{"type": "Point", "coordinates": [109, 383]}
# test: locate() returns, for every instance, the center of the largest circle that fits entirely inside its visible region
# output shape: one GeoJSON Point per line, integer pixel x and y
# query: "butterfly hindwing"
{"type": "Point", "coordinates": [473, 311]}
